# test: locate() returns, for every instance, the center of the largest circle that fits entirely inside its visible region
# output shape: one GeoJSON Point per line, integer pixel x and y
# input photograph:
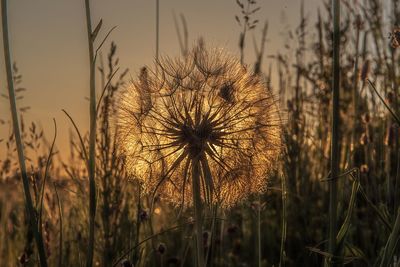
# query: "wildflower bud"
{"type": "Point", "coordinates": [126, 263]}
{"type": "Point", "coordinates": [390, 98]}
{"type": "Point", "coordinates": [395, 38]}
{"type": "Point", "coordinates": [237, 245]}
{"type": "Point", "coordinates": [79, 236]}
{"type": "Point", "coordinates": [143, 215]}
{"type": "Point", "coordinates": [206, 238]}
{"type": "Point", "coordinates": [232, 229]}
{"type": "Point", "coordinates": [366, 118]}
{"type": "Point", "coordinates": [23, 259]}
{"type": "Point", "coordinates": [365, 70]}
{"type": "Point", "coordinates": [190, 220]}
{"type": "Point", "coordinates": [392, 134]}
{"type": "Point", "coordinates": [364, 168]}
{"type": "Point", "coordinates": [364, 139]}
{"type": "Point", "coordinates": [290, 105]}
{"type": "Point", "coordinates": [161, 248]}
{"type": "Point", "coordinates": [358, 23]}
{"type": "Point", "coordinates": [205, 235]}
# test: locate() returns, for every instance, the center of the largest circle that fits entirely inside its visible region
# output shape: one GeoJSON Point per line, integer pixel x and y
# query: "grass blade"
{"type": "Point", "coordinates": [48, 161]}
{"type": "Point", "coordinates": [335, 150]}
{"type": "Point", "coordinates": [60, 249]}
{"type": "Point", "coordinates": [384, 102]}
{"type": "Point", "coordinates": [392, 242]}
{"type": "Point", "coordinates": [341, 236]}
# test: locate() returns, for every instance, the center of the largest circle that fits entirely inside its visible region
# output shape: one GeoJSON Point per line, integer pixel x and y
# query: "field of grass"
{"type": "Point", "coordinates": [209, 160]}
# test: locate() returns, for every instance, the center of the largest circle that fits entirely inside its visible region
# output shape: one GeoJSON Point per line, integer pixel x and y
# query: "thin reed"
{"type": "Point", "coordinates": [30, 210]}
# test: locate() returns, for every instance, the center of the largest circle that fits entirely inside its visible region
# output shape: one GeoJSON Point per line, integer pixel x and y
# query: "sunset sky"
{"type": "Point", "coordinates": [49, 44]}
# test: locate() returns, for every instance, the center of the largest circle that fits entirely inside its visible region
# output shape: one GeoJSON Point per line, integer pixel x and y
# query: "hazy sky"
{"type": "Point", "coordinates": [49, 44]}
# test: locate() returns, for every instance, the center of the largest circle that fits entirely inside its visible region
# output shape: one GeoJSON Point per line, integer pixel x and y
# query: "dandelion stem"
{"type": "Point", "coordinates": [284, 221]}
{"type": "Point", "coordinates": [259, 230]}
{"type": "Point", "coordinates": [32, 218]}
{"type": "Point", "coordinates": [197, 212]}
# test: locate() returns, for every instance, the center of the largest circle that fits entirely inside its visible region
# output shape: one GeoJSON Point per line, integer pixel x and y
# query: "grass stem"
{"type": "Point", "coordinates": [284, 221]}
{"type": "Point", "coordinates": [92, 138]}
{"type": "Point", "coordinates": [157, 28]}
{"type": "Point", "coordinates": [33, 220]}
{"type": "Point", "coordinates": [335, 150]}
{"type": "Point", "coordinates": [60, 244]}
{"type": "Point", "coordinates": [259, 230]}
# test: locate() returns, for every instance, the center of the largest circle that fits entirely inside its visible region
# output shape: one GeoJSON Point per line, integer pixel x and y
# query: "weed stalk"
{"type": "Point", "coordinates": [33, 222]}
{"type": "Point", "coordinates": [335, 150]}
{"type": "Point", "coordinates": [92, 139]}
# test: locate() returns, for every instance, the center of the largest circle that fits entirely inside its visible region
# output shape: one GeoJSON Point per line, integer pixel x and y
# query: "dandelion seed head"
{"type": "Point", "coordinates": [204, 108]}
{"type": "Point", "coordinates": [395, 37]}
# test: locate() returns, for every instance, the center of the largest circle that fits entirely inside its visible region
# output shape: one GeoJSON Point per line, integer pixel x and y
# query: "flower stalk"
{"type": "Point", "coordinates": [199, 130]}
{"type": "Point", "coordinates": [198, 213]}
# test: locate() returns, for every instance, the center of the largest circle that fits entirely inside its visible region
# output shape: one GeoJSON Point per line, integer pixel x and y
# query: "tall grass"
{"type": "Point", "coordinates": [92, 135]}
{"type": "Point", "coordinates": [335, 143]}
{"type": "Point", "coordinates": [30, 210]}
{"type": "Point", "coordinates": [290, 219]}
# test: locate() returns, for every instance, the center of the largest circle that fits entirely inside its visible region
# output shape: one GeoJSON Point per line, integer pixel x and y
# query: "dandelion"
{"type": "Point", "coordinates": [200, 129]}
{"type": "Point", "coordinates": [161, 248]}
{"type": "Point", "coordinates": [204, 112]}
{"type": "Point", "coordinates": [365, 70]}
{"type": "Point", "coordinates": [395, 37]}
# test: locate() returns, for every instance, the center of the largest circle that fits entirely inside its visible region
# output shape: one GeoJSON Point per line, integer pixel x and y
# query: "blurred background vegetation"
{"type": "Point", "coordinates": [292, 215]}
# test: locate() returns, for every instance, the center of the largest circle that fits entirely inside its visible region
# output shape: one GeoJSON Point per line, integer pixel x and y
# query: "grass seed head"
{"type": "Point", "coordinates": [395, 37]}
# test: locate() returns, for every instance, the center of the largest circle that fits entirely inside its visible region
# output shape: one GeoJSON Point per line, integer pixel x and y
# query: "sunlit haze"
{"type": "Point", "coordinates": [49, 45]}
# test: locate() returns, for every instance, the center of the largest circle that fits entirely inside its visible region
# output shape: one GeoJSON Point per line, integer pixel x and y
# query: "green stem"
{"type": "Point", "coordinates": [157, 27]}
{"type": "Point", "coordinates": [33, 223]}
{"type": "Point", "coordinates": [335, 131]}
{"type": "Point", "coordinates": [384, 102]}
{"type": "Point", "coordinates": [197, 212]}
{"type": "Point", "coordinates": [92, 139]}
{"type": "Point", "coordinates": [210, 249]}
{"type": "Point", "coordinates": [60, 244]}
{"type": "Point", "coordinates": [259, 230]}
{"type": "Point", "coordinates": [284, 222]}
{"type": "Point", "coordinates": [355, 100]}
{"type": "Point", "coordinates": [46, 172]}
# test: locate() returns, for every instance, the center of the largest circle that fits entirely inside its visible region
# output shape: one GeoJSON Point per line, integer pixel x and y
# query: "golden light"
{"type": "Point", "coordinates": [205, 112]}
